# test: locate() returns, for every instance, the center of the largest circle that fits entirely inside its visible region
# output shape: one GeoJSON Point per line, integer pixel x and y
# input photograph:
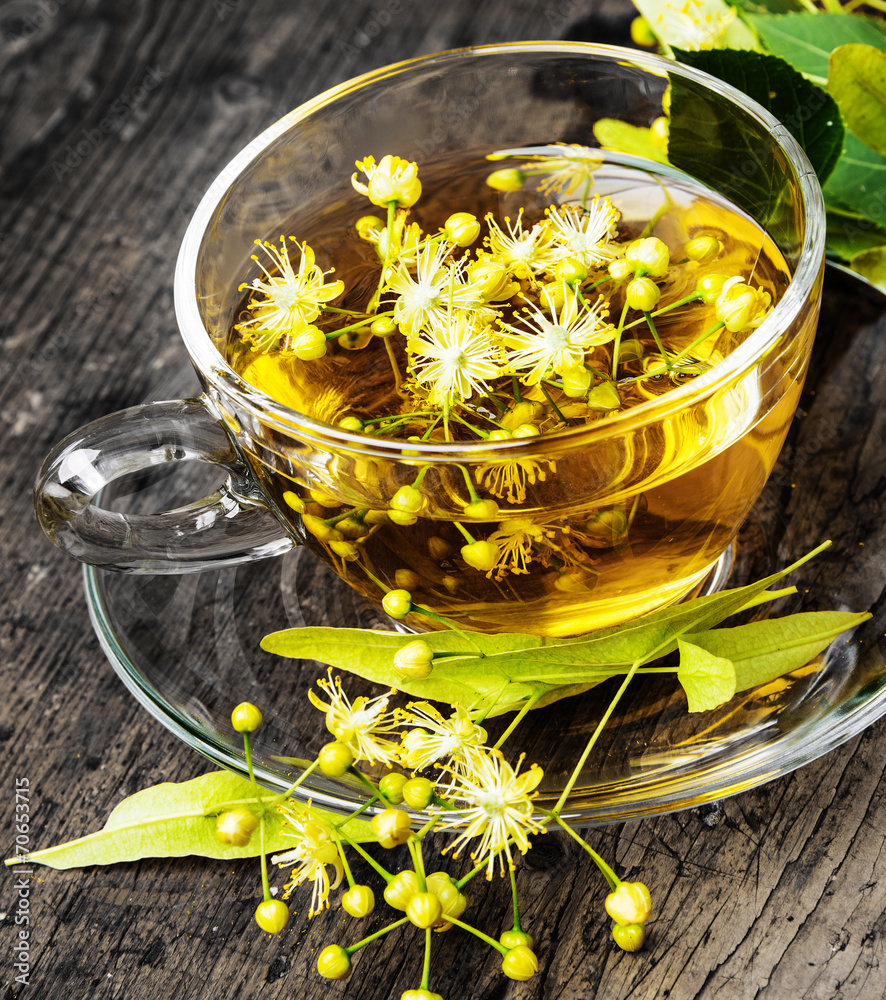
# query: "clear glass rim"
{"type": "Point", "coordinates": [228, 383]}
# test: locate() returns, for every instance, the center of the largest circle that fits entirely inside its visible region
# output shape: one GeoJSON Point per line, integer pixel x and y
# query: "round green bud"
{"type": "Point", "coordinates": [619, 269]}
{"type": "Point", "coordinates": [272, 915]}
{"type": "Point", "coordinates": [418, 792]}
{"type": "Point", "coordinates": [514, 939]}
{"type": "Point", "coordinates": [481, 556]}
{"type": "Point", "coordinates": [629, 937]}
{"type": "Point", "coordinates": [500, 434]}
{"type": "Point", "coordinates": [642, 294]}
{"type": "Point", "coordinates": [629, 903]}
{"type": "Point", "coordinates": [351, 424]}
{"type": "Point", "coordinates": [391, 827]}
{"type": "Point", "coordinates": [419, 994]}
{"type": "Point", "coordinates": [642, 33]}
{"type": "Point", "coordinates": [345, 550]}
{"type": "Point", "coordinates": [482, 510]}
{"type": "Point", "coordinates": [462, 228]}
{"type": "Point", "coordinates": [235, 826]}
{"type": "Point", "coordinates": [383, 326]}
{"type": "Point", "coordinates": [526, 431]}
{"type": "Point", "coordinates": [571, 270]}
{"type": "Point", "coordinates": [407, 579]}
{"type": "Point", "coordinates": [333, 962]}
{"type": "Point", "coordinates": [246, 717]}
{"type": "Point", "coordinates": [358, 901]}
{"type": "Point", "coordinates": [508, 179]}
{"type": "Point", "coordinates": [408, 499]}
{"type": "Point", "coordinates": [576, 382]}
{"type": "Point", "coordinates": [309, 344]}
{"type": "Point", "coordinates": [703, 249]}
{"type": "Point", "coordinates": [294, 501]}
{"type": "Point", "coordinates": [402, 887]}
{"type": "Point", "coordinates": [739, 305]}
{"type": "Point", "coordinates": [709, 287]}
{"type": "Point", "coordinates": [335, 758]}
{"type": "Point", "coordinates": [604, 397]}
{"type": "Point", "coordinates": [414, 660]}
{"type": "Point", "coordinates": [317, 527]}
{"type": "Point", "coordinates": [648, 256]}
{"type": "Point", "coordinates": [397, 603]}
{"type": "Point", "coordinates": [520, 963]}
{"type": "Point", "coordinates": [606, 528]}
{"type": "Point", "coordinates": [391, 786]}
{"type": "Point", "coordinates": [424, 909]}
{"type": "Point", "coordinates": [369, 226]}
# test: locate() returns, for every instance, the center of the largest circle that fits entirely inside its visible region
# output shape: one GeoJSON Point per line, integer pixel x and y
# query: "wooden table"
{"type": "Point", "coordinates": [116, 116]}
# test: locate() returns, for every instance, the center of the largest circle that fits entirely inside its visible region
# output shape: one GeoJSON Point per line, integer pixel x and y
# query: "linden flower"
{"type": "Point", "coordinates": [285, 301]}
{"type": "Point", "coordinates": [556, 344]}
{"type": "Point", "coordinates": [515, 539]}
{"type": "Point", "coordinates": [315, 848]}
{"type": "Point", "coordinates": [587, 235]}
{"type": "Point", "coordinates": [424, 299]}
{"type": "Point", "coordinates": [694, 24]}
{"type": "Point", "coordinates": [393, 180]}
{"type": "Point", "coordinates": [524, 253]}
{"type": "Point", "coordinates": [567, 173]}
{"type": "Point", "coordinates": [493, 803]}
{"type": "Point", "coordinates": [454, 359]}
{"type": "Point", "coordinates": [457, 738]}
{"type": "Point", "coordinates": [361, 726]}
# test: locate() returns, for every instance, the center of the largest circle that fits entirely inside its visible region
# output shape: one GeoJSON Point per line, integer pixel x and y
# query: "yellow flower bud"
{"type": "Point", "coordinates": [393, 180]}
{"type": "Point", "coordinates": [407, 579]}
{"type": "Point", "coordinates": [401, 517]}
{"type": "Point", "coordinates": [272, 915]}
{"type": "Point", "coordinates": [397, 603]}
{"type": "Point", "coordinates": [642, 33]}
{"type": "Point", "coordinates": [514, 938]}
{"type": "Point", "coordinates": [354, 340]}
{"type": "Point", "coordinates": [740, 307]}
{"type": "Point", "coordinates": [507, 179]}
{"type": "Point", "coordinates": [235, 827]}
{"type": "Point", "coordinates": [414, 660]}
{"type": "Point", "coordinates": [462, 229]}
{"type": "Point", "coordinates": [391, 786]}
{"type": "Point", "coordinates": [309, 344]}
{"type": "Point", "coordinates": [526, 430]}
{"type": "Point", "coordinates": [709, 287]}
{"type": "Point", "coordinates": [481, 555]}
{"type": "Point", "coordinates": [619, 269]}
{"type": "Point", "coordinates": [317, 527]}
{"type": "Point", "coordinates": [424, 909]}
{"type": "Point", "coordinates": [630, 350]}
{"type": "Point", "coordinates": [420, 994]}
{"type": "Point", "coordinates": [629, 903]}
{"type": "Point", "coordinates": [294, 501]}
{"type": "Point", "coordinates": [402, 887]}
{"type": "Point", "coordinates": [648, 256]}
{"type": "Point", "coordinates": [702, 249]}
{"type": "Point", "coordinates": [351, 424]}
{"type": "Point", "coordinates": [570, 270]}
{"type": "Point", "coordinates": [520, 963]}
{"type": "Point", "coordinates": [335, 758]}
{"type": "Point", "coordinates": [344, 550]}
{"type": "Point", "coordinates": [391, 827]}
{"type": "Point", "coordinates": [418, 792]}
{"type": "Point", "coordinates": [642, 294]}
{"type": "Point", "coordinates": [333, 962]}
{"type": "Point", "coordinates": [375, 516]}
{"type": "Point", "coordinates": [409, 500]}
{"type": "Point", "coordinates": [491, 279]}
{"type": "Point", "coordinates": [482, 510]}
{"type": "Point", "coordinates": [383, 326]}
{"type": "Point", "coordinates": [246, 717]}
{"type": "Point", "coordinates": [576, 382]}
{"type": "Point", "coordinates": [439, 549]}
{"type": "Point", "coordinates": [629, 937]}
{"type": "Point", "coordinates": [603, 398]}
{"type": "Point", "coordinates": [369, 226]}
{"type": "Point", "coordinates": [358, 901]}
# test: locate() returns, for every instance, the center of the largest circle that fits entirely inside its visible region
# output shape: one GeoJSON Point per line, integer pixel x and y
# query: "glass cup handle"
{"type": "Point", "coordinates": [230, 526]}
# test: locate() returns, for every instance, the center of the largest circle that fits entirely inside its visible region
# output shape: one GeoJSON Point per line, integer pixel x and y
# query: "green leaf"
{"type": "Point", "coordinates": [626, 138]}
{"type": "Point", "coordinates": [858, 184]}
{"type": "Point", "coordinates": [708, 680]}
{"type": "Point", "coordinates": [704, 22]}
{"type": "Point", "coordinates": [871, 264]}
{"type": "Point", "coordinates": [809, 113]}
{"type": "Point", "coordinates": [504, 671]}
{"type": "Point", "coordinates": [173, 820]}
{"type": "Point", "coordinates": [769, 6]}
{"type": "Point", "coordinates": [761, 651]}
{"type": "Point", "coordinates": [849, 234]}
{"type": "Point", "coordinates": [807, 40]}
{"type": "Point", "coordinates": [857, 82]}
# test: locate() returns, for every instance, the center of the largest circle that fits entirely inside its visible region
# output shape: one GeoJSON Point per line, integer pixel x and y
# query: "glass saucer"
{"type": "Point", "coordinates": [188, 647]}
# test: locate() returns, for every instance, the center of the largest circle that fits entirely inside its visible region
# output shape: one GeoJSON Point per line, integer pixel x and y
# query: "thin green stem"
{"type": "Point", "coordinates": [483, 937]}
{"type": "Point", "coordinates": [554, 406]}
{"type": "Point", "coordinates": [426, 968]}
{"type": "Point", "coordinates": [266, 888]}
{"type": "Point", "coordinates": [385, 874]}
{"type": "Point", "coordinates": [285, 795]}
{"type": "Point", "coordinates": [606, 871]}
{"type": "Point", "coordinates": [524, 710]}
{"type": "Point", "coordinates": [513, 875]}
{"type": "Point", "coordinates": [344, 861]}
{"type": "Point", "coordinates": [374, 937]}
{"type": "Point", "coordinates": [655, 337]}
{"type": "Point", "coordinates": [372, 789]}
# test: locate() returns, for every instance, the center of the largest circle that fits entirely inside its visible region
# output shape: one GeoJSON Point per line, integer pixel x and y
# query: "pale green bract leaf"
{"type": "Point", "coordinates": [173, 820]}
{"type": "Point", "coordinates": [807, 40]}
{"type": "Point", "coordinates": [626, 138]}
{"type": "Point", "coordinates": [871, 264]}
{"type": "Point", "coordinates": [697, 24]}
{"type": "Point", "coordinates": [708, 680]}
{"type": "Point", "coordinates": [857, 82]}
{"type": "Point", "coordinates": [858, 182]}
{"type": "Point", "coordinates": [761, 651]}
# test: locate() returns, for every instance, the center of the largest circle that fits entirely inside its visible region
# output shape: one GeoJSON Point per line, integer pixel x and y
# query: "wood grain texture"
{"type": "Point", "coordinates": [115, 116]}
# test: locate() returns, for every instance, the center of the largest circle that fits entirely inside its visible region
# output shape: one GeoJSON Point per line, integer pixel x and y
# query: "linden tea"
{"type": "Point", "coordinates": [524, 319]}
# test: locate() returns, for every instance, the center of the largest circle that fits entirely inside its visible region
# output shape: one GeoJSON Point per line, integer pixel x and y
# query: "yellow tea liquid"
{"type": "Point", "coordinates": [593, 529]}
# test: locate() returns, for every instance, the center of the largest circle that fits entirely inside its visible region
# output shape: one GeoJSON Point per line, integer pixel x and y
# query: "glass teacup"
{"type": "Point", "coordinates": [594, 523]}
